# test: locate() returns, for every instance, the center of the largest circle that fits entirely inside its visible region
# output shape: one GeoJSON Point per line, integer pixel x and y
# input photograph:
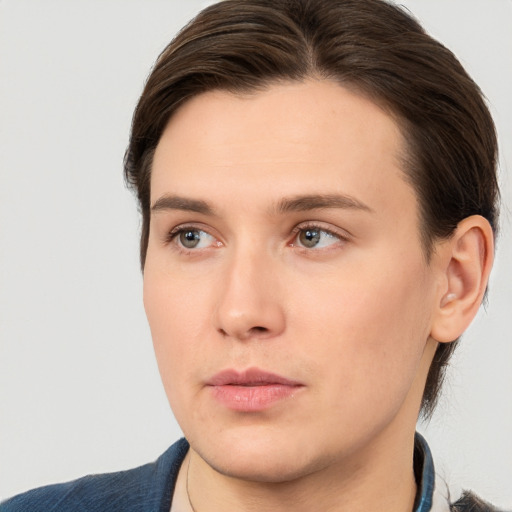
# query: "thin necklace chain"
{"type": "Point", "coordinates": [186, 486]}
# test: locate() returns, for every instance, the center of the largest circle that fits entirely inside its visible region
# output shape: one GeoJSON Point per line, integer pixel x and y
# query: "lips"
{"type": "Point", "coordinates": [252, 390]}
{"type": "Point", "coordinates": [250, 377]}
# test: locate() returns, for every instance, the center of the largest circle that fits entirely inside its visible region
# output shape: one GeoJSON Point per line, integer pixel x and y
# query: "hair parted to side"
{"type": "Point", "coordinates": [370, 46]}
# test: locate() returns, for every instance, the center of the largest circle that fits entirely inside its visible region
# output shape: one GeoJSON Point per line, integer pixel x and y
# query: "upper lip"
{"type": "Point", "coordinates": [249, 377]}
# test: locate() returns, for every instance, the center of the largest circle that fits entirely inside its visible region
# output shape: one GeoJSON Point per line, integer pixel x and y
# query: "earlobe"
{"type": "Point", "coordinates": [467, 259]}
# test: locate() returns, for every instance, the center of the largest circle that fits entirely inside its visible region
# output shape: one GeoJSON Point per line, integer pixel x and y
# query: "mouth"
{"type": "Point", "coordinates": [251, 390]}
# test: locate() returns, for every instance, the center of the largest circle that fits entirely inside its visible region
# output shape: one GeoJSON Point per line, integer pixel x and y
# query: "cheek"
{"type": "Point", "coordinates": [174, 311]}
{"type": "Point", "coordinates": [369, 336]}
{"type": "Point", "coordinates": [173, 317]}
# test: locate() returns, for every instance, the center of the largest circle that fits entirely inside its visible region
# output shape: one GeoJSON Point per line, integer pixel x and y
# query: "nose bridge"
{"type": "Point", "coordinates": [249, 305]}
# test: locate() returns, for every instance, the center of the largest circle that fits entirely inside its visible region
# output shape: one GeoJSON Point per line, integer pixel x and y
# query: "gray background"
{"type": "Point", "coordinates": [79, 388]}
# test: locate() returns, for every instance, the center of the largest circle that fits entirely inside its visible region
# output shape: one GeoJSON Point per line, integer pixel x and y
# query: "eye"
{"type": "Point", "coordinates": [314, 237]}
{"type": "Point", "coordinates": [192, 238]}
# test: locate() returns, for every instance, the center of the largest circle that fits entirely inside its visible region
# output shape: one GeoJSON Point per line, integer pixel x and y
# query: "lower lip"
{"type": "Point", "coordinates": [253, 398]}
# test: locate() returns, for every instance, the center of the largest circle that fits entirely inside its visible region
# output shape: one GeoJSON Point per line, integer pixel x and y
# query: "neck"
{"type": "Point", "coordinates": [380, 477]}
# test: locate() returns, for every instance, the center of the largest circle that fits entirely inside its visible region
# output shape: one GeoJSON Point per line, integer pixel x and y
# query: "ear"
{"type": "Point", "coordinates": [466, 261]}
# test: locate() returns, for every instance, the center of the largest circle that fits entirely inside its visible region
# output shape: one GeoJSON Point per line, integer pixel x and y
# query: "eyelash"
{"type": "Point", "coordinates": [341, 236]}
{"type": "Point", "coordinates": [178, 230]}
{"type": "Point", "coordinates": [172, 236]}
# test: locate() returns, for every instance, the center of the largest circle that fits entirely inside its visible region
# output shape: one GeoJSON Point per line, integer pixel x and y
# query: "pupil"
{"type": "Point", "coordinates": [309, 237]}
{"type": "Point", "coordinates": [189, 239]}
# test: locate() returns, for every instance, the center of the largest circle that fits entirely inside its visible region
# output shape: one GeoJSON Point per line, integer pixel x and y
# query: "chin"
{"type": "Point", "coordinates": [259, 456]}
{"type": "Point", "coordinates": [266, 467]}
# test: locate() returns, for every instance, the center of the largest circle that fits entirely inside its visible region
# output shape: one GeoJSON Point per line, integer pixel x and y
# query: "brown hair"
{"type": "Point", "coordinates": [370, 46]}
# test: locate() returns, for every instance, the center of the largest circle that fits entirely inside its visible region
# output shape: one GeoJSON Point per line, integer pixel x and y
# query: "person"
{"type": "Point", "coordinates": [317, 182]}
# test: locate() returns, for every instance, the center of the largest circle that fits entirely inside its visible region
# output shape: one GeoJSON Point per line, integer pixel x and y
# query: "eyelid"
{"type": "Point", "coordinates": [342, 234]}
{"type": "Point", "coordinates": [198, 226]}
{"type": "Point", "coordinates": [172, 235]}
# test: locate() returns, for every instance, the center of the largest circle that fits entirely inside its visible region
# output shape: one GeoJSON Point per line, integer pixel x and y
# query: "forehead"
{"type": "Point", "coordinates": [281, 140]}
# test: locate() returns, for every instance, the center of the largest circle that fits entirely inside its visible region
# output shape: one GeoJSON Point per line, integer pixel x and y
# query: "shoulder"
{"type": "Point", "coordinates": [469, 502]}
{"type": "Point", "coordinates": [147, 487]}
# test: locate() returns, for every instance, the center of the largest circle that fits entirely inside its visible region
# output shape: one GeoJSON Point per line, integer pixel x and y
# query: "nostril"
{"type": "Point", "coordinates": [258, 329]}
{"type": "Point", "coordinates": [253, 332]}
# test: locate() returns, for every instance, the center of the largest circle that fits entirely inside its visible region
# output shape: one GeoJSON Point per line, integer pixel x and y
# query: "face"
{"type": "Point", "coordinates": [286, 289]}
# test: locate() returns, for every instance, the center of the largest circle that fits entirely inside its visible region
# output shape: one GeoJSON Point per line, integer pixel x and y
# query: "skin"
{"type": "Point", "coordinates": [352, 318]}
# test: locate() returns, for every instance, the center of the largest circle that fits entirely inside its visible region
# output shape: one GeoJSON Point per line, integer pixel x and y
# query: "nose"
{"type": "Point", "coordinates": [249, 304]}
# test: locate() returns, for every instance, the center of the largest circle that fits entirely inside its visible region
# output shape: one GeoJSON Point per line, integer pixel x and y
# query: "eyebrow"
{"type": "Point", "coordinates": [292, 204]}
{"type": "Point", "coordinates": [320, 201]}
{"type": "Point", "coordinates": [182, 203]}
